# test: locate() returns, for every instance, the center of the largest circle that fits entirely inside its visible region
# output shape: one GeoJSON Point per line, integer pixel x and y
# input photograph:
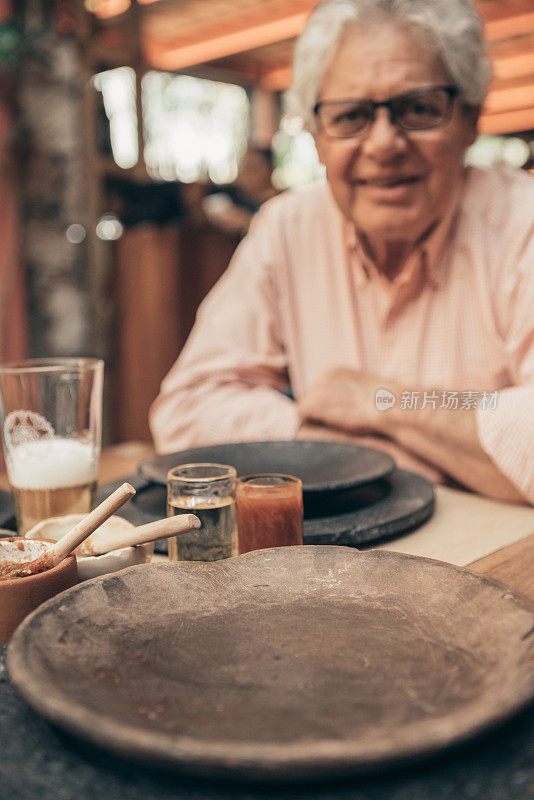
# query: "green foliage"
{"type": "Point", "coordinates": [11, 39]}
{"type": "Point", "coordinates": [17, 46]}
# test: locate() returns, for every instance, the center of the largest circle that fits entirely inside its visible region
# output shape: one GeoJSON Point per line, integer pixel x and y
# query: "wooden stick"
{"type": "Point", "coordinates": [90, 523]}
{"type": "Point", "coordinates": [104, 541]}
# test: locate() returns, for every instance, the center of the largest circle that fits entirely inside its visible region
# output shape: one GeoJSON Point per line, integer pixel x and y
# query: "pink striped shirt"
{"type": "Point", "coordinates": [300, 298]}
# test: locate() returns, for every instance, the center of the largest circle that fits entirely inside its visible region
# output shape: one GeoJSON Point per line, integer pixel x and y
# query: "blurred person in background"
{"type": "Point", "coordinates": [396, 300]}
{"type": "Point", "coordinates": [232, 207]}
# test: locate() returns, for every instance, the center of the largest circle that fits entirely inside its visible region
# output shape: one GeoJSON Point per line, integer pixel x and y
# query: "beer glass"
{"type": "Point", "coordinates": [207, 490]}
{"type": "Point", "coordinates": [51, 415]}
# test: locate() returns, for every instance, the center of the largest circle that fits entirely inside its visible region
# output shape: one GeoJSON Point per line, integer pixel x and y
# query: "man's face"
{"type": "Point", "coordinates": [392, 184]}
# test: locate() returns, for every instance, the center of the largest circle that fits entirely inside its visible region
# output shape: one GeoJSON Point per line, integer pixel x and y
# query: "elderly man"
{"type": "Point", "coordinates": [397, 299]}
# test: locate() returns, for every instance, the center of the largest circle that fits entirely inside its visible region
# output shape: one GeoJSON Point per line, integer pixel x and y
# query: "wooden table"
{"type": "Point", "coordinates": [38, 761]}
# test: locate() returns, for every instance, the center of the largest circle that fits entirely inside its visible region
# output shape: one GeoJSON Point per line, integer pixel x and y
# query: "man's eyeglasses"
{"type": "Point", "coordinates": [419, 110]}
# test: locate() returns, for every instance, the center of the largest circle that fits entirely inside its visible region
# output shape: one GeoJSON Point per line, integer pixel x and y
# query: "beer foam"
{"type": "Point", "coordinates": [51, 464]}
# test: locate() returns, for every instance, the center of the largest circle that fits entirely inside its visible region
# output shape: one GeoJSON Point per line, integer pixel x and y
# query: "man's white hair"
{"type": "Point", "coordinates": [450, 28]}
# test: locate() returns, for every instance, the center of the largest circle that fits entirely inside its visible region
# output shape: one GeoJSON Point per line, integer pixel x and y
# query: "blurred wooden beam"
{"type": "Point", "coordinates": [495, 10]}
{"type": "Point", "coordinates": [105, 9]}
{"type": "Point", "coordinates": [186, 52]}
{"type": "Point", "coordinates": [506, 19]}
{"type": "Point", "coordinates": [510, 95]}
{"type": "Point", "coordinates": [513, 58]}
{"type": "Point", "coordinates": [507, 122]}
{"type": "Point", "coordinates": [509, 26]}
{"type": "Point", "coordinates": [277, 80]}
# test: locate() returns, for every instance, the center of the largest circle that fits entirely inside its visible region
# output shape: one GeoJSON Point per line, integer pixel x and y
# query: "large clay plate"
{"type": "Point", "coordinates": [324, 467]}
{"type": "Point", "coordinates": [284, 663]}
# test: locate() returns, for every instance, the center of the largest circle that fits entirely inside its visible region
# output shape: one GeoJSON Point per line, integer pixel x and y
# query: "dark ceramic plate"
{"type": "Point", "coordinates": [7, 511]}
{"type": "Point", "coordinates": [399, 503]}
{"type": "Point", "coordinates": [324, 467]}
{"type": "Point", "coordinates": [297, 662]}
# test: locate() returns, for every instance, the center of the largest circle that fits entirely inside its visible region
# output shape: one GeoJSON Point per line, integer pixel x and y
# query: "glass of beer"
{"type": "Point", "coordinates": [51, 415]}
{"type": "Point", "coordinates": [207, 490]}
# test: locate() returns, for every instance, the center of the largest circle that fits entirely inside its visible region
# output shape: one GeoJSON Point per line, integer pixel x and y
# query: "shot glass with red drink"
{"type": "Point", "coordinates": [269, 511]}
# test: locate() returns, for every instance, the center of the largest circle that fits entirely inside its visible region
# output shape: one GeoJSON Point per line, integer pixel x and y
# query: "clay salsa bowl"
{"type": "Point", "coordinates": [19, 596]}
{"type": "Point", "coordinates": [92, 566]}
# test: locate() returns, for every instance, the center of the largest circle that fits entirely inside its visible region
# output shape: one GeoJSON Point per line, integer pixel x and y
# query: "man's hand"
{"type": "Point", "coordinates": [343, 399]}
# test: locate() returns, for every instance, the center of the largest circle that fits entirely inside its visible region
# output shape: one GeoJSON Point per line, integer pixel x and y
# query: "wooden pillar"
{"type": "Point", "coordinates": [52, 182]}
{"type": "Point", "coordinates": [264, 117]}
{"type": "Point", "coordinates": [13, 312]}
{"type": "Point", "coordinates": [146, 325]}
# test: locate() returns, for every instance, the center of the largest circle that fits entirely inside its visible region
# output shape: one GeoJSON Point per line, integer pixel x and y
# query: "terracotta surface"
{"type": "Point", "coordinates": [284, 663]}
{"type": "Point", "coordinates": [19, 596]}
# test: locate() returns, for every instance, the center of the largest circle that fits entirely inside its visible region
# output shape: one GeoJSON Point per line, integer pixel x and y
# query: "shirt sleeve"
{"type": "Point", "coordinates": [228, 382]}
{"type": "Point", "coordinates": [506, 427]}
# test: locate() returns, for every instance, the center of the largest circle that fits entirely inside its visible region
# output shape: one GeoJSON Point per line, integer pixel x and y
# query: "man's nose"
{"type": "Point", "coordinates": [384, 139]}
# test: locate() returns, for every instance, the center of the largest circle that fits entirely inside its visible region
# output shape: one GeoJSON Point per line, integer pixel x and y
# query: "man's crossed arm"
{"type": "Point", "coordinates": [344, 401]}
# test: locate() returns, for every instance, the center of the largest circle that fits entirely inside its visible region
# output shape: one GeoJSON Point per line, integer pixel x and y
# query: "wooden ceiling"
{"type": "Point", "coordinates": [251, 42]}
